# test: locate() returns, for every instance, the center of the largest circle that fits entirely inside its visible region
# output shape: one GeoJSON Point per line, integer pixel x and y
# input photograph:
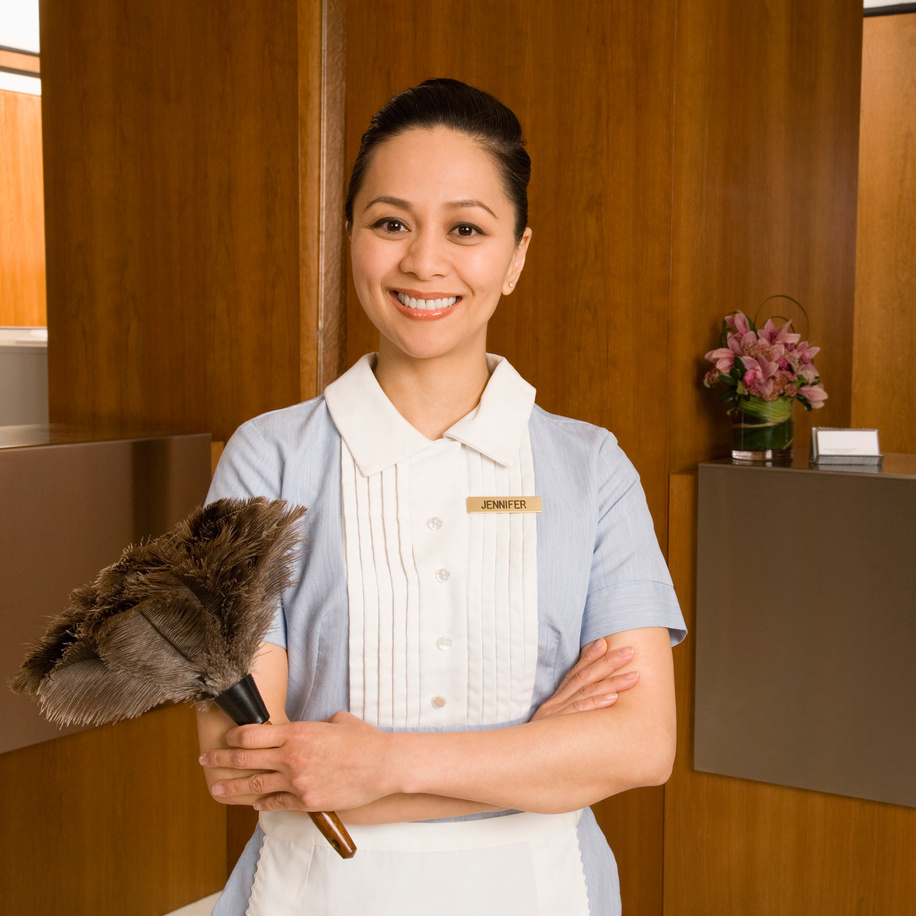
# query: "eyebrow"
{"type": "Point", "coordinates": [454, 204]}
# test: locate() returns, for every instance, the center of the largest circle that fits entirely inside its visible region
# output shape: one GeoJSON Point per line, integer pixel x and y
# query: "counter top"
{"type": "Point", "coordinates": [68, 434]}
{"type": "Point", "coordinates": [893, 465]}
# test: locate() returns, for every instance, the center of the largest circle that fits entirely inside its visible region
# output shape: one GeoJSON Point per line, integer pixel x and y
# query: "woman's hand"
{"type": "Point", "coordinates": [302, 766]}
{"type": "Point", "coordinates": [592, 683]}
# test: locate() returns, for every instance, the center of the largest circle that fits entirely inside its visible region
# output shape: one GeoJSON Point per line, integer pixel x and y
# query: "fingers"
{"type": "Point", "coordinates": [266, 790]}
{"type": "Point", "coordinates": [591, 654]}
{"type": "Point", "coordinates": [240, 775]}
{"type": "Point", "coordinates": [279, 802]}
{"type": "Point", "coordinates": [592, 683]}
{"type": "Point", "coordinates": [596, 665]}
{"type": "Point", "coordinates": [254, 736]}
{"type": "Point", "coordinates": [602, 694]}
{"type": "Point", "coordinates": [248, 787]}
{"type": "Point", "coordinates": [233, 758]}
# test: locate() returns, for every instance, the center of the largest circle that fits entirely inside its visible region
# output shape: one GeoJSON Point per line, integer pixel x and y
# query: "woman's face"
{"type": "Point", "coordinates": [433, 243]}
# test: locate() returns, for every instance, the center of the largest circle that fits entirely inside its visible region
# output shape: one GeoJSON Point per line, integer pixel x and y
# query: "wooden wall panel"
{"type": "Point", "coordinates": [326, 187]}
{"type": "Point", "coordinates": [22, 240]}
{"type": "Point", "coordinates": [172, 174]}
{"type": "Point", "coordinates": [736, 846]}
{"type": "Point", "coordinates": [884, 366]}
{"type": "Point", "coordinates": [111, 821]}
{"type": "Point", "coordinates": [764, 193]}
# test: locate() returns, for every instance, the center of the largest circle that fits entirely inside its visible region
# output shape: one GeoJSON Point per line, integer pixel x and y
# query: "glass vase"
{"type": "Point", "coordinates": [763, 430]}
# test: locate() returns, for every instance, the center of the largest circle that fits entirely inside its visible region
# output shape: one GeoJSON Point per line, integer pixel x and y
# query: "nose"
{"type": "Point", "coordinates": [425, 256]}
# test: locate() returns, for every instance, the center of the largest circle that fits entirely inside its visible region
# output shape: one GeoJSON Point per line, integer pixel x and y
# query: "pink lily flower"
{"type": "Point", "coordinates": [724, 357]}
{"type": "Point", "coordinates": [781, 335]}
{"type": "Point", "coordinates": [738, 322]}
{"type": "Point", "coordinates": [806, 352]}
{"type": "Point", "coordinates": [759, 376]}
{"type": "Point", "coordinates": [814, 394]}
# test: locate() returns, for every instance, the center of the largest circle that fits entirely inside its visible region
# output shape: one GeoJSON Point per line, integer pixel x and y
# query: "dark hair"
{"type": "Point", "coordinates": [462, 108]}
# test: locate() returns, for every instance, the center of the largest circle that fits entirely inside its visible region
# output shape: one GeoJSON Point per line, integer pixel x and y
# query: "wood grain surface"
{"type": "Point", "coordinates": [884, 364]}
{"type": "Point", "coordinates": [173, 166]}
{"type": "Point", "coordinates": [116, 820]}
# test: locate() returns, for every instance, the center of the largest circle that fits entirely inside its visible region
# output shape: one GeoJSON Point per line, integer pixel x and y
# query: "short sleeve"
{"type": "Point", "coordinates": [250, 466]}
{"type": "Point", "coordinates": [629, 585]}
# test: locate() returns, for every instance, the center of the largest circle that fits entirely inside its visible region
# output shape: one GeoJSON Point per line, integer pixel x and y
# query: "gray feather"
{"type": "Point", "coordinates": [179, 618]}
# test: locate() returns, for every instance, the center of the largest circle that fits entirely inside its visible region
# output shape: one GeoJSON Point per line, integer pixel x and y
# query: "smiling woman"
{"type": "Point", "coordinates": [478, 646]}
{"type": "Point", "coordinates": [433, 250]}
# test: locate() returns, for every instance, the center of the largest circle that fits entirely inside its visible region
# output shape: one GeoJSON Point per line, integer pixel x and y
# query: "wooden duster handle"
{"type": "Point", "coordinates": [333, 830]}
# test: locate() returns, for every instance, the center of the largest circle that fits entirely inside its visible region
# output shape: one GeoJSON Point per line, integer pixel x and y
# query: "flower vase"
{"type": "Point", "coordinates": [762, 430]}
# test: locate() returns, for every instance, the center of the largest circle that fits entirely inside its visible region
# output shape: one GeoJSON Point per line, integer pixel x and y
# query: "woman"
{"type": "Point", "coordinates": [465, 551]}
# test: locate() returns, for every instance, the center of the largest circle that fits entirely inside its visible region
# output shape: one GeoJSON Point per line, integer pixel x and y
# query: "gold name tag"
{"type": "Point", "coordinates": [504, 504]}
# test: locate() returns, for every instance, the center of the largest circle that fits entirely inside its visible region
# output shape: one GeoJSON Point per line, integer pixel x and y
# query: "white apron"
{"type": "Point", "coordinates": [516, 865]}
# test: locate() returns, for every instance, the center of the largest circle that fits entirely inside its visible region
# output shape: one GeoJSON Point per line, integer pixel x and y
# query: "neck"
{"type": "Point", "coordinates": [432, 394]}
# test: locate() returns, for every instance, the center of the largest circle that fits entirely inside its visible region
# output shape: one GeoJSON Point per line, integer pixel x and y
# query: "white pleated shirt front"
{"type": "Point", "coordinates": [442, 602]}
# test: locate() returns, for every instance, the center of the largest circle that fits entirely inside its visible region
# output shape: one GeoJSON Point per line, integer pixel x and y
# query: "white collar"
{"type": "Point", "coordinates": [378, 436]}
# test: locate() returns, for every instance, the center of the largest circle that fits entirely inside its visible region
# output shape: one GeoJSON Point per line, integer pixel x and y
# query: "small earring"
{"type": "Point", "coordinates": [511, 284]}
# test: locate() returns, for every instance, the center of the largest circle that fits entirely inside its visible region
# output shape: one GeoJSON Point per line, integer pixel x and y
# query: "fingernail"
{"type": "Point", "coordinates": [610, 698]}
{"type": "Point", "coordinates": [219, 789]}
{"type": "Point", "coordinates": [623, 653]}
{"type": "Point", "coordinates": [630, 676]}
{"type": "Point", "coordinates": [204, 759]}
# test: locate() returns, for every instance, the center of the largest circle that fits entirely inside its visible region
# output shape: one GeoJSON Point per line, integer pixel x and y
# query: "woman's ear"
{"type": "Point", "coordinates": [518, 262]}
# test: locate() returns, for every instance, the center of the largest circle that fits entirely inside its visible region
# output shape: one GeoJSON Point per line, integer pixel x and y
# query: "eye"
{"type": "Point", "coordinates": [467, 231]}
{"type": "Point", "coordinates": [389, 225]}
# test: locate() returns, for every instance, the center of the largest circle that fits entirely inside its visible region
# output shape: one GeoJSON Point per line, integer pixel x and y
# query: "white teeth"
{"type": "Point", "coordinates": [426, 304]}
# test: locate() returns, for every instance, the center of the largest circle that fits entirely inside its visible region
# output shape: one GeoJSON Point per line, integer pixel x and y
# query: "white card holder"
{"type": "Point", "coordinates": [834, 446]}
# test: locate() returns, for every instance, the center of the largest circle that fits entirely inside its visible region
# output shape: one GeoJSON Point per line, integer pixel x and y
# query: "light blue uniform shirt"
{"type": "Point", "coordinates": [600, 570]}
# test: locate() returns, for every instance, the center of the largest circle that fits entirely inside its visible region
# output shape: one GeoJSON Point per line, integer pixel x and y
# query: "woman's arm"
{"type": "Point", "coordinates": [557, 763]}
{"type": "Point", "coordinates": [561, 763]}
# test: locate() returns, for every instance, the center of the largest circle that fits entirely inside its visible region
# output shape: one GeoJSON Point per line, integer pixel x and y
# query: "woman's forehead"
{"type": "Point", "coordinates": [438, 163]}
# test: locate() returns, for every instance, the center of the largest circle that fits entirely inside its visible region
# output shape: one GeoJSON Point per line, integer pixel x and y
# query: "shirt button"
{"type": "Point", "coordinates": [442, 575]}
{"type": "Point", "coordinates": [444, 643]}
{"type": "Point", "coordinates": [434, 524]}
{"type": "Point", "coordinates": [438, 702]}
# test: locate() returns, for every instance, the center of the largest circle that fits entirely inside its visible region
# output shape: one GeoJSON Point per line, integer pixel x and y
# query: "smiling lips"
{"type": "Point", "coordinates": [425, 309]}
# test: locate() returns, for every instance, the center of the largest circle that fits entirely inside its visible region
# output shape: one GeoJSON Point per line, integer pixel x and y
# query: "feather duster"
{"type": "Point", "coordinates": [178, 618]}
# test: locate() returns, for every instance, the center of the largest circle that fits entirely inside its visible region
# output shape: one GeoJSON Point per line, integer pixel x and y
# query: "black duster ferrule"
{"type": "Point", "coordinates": [242, 703]}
